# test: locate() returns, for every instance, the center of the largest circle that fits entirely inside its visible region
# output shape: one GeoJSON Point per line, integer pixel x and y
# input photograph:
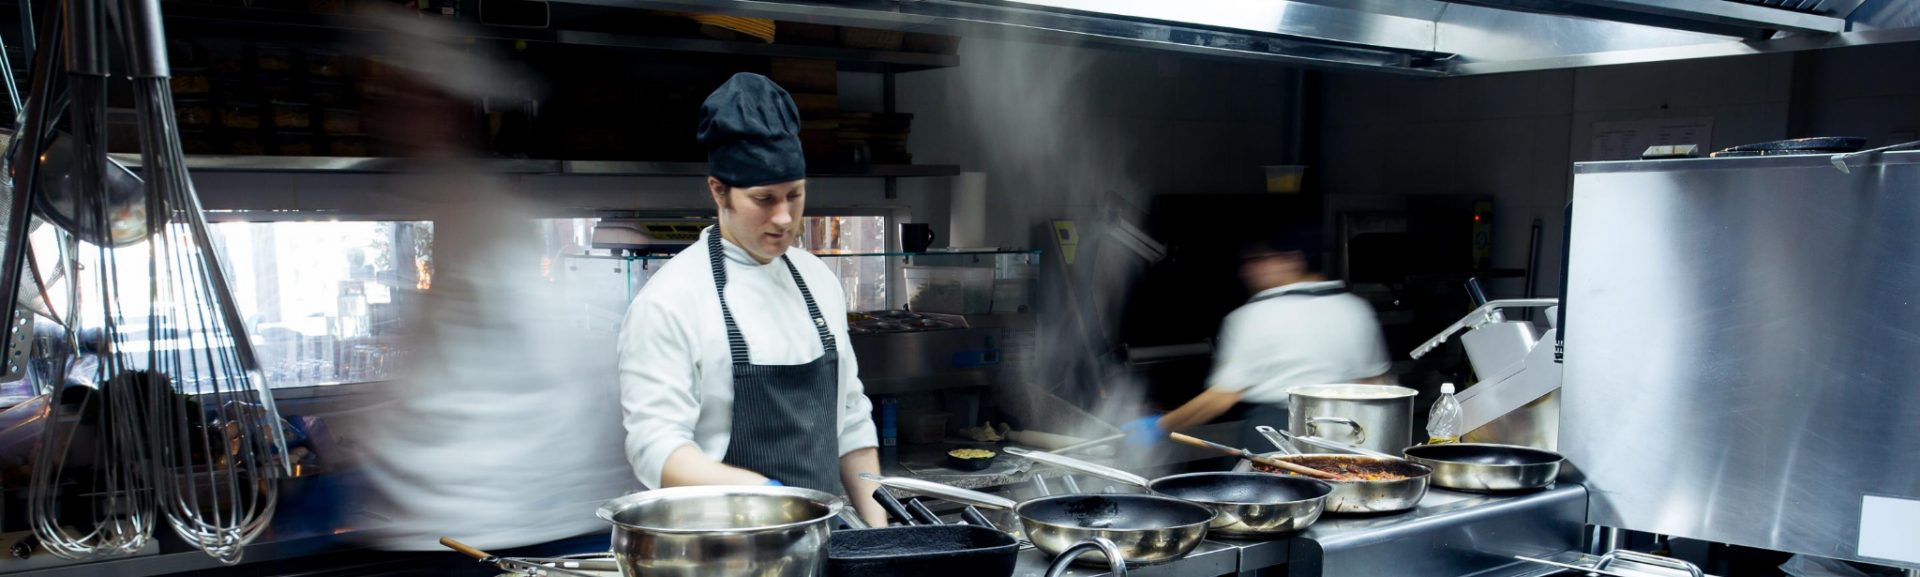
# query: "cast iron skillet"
{"type": "Point", "coordinates": [922, 551]}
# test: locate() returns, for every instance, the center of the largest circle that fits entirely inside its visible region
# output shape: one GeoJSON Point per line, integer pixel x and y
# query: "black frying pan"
{"type": "Point", "coordinates": [1246, 504]}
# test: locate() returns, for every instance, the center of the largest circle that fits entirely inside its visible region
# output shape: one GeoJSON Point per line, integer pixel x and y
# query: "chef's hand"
{"type": "Point", "coordinates": [1144, 433]}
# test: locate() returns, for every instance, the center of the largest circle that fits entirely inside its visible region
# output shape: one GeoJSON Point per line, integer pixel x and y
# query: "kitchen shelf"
{"type": "Point", "coordinates": [184, 15]}
{"type": "Point", "coordinates": [227, 163]}
{"type": "Point", "coordinates": [907, 255]}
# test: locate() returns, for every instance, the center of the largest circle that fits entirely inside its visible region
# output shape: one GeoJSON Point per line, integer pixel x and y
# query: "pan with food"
{"type": "Point", "coordinates": [1363, 484]}
{"type": "Point", "coordinates": [1247, 504]}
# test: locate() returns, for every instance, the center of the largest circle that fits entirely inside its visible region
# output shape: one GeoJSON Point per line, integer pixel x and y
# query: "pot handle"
{"type": "Point", "coordinates": [1078, 466]}
{"type": "Point", "coordinates": [851, 518]}
{"type": "Point", "coordinates": [1359, 432]}
{"type": "Point", "coordinates": [1279, 441]}
{"type": "Point", "coordinates": [947, 492]}
{"type": "Point", "coordinates": [844, 511]}
{"type": "Point", "coordinates": [1116, 565]}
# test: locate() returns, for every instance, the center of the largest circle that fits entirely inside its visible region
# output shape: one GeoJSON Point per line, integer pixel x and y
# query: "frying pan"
{"type": "Point", "coordinates": [1145, 529]}
{"type": "Point", "coordinates": [1357, 496]}
{"type": "Point", "coordinates": [1487, 467]}
{"type": "Point", "coordinates": [1247, 504]}
{"type": "Point", "coordinates": [922, 551]}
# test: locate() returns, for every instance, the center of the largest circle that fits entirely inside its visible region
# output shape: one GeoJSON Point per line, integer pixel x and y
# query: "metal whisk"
{"type": "Point", "coordinates": [185, 426]}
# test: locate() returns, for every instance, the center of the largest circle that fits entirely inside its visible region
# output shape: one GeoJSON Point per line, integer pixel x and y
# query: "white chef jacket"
{"type": "Point", "coordinates": [1270, 345]}
{"type": "Point", "coordinates": [503, 431]}
{"type": "Point", "coordinates": [676, 372]}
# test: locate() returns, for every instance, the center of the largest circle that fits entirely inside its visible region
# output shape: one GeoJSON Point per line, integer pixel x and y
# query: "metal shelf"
{"type": "Point", "coordinates": [392, 165]}
{"type": "Point", "coordinates": [850, 59]}
{"type": "Point", "coordinates": [907, 255]}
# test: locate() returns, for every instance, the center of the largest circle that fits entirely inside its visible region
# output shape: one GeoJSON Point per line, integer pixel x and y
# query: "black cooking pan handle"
{"type": "Point", "coordinates": [974, 517]}
{"type": "Point", "coordinates": [926, 515]}
{"type": "Point", "coordinates": [1116, 565]}
{"type": "Point", "coordinates": [893, 506]}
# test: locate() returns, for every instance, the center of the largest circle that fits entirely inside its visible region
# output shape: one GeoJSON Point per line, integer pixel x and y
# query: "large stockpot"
{"type": "Point", "coordinates": [1378, 417]}
{"type": "Point", "coordinates": [722, 530]}
{"type": "Point", "coordinates": [1147, 529]}
{"type": "Point", "coordinates": [1247, 504]}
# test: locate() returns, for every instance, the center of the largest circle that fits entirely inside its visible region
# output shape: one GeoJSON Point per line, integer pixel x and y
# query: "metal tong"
{"type": "Point", "coordinates": [516, 565]}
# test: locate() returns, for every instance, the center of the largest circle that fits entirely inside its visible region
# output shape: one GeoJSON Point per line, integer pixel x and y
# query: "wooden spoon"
{"type": "Point", "coordinates": [1250, 456]}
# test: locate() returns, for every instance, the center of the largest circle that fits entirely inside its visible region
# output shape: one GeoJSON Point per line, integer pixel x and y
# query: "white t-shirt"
{"type": "Point", "coordinates": [1273, 344]}
{"type": "Point", "coordinates": [676, 372]}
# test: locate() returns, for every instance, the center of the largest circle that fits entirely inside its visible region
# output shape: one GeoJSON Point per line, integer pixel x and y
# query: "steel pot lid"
{"type": "Point", "coordinates": [1353, 392]}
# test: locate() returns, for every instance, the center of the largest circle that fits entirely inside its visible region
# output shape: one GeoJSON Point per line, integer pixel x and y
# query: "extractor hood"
{"type": "Point", "coordinates": [1416, 37]}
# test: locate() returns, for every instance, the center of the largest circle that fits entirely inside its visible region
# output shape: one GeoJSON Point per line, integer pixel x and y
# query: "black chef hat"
{"type": "Point", "coordinates": [752, 133]}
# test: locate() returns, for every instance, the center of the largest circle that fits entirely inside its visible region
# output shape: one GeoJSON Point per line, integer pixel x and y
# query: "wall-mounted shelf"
{"type": "Point", "coordinates": [184, 15]}
{"type": "Point", "coordinates": [909, 256]}
{"type": "Point", "coordinates": [395, 165]}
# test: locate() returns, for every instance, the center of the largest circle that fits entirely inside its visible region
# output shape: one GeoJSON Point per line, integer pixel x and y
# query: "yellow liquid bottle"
{"type": "Point", "coordinates": [1443, 422]}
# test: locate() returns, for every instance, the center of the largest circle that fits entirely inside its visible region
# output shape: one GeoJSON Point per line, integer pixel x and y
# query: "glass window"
{"type": "Point", "coordinates": [863, 278]}
{"type": "Point", "coordinates": [568, 243]}
{"type": "Point", "coordinates": [324, 302]}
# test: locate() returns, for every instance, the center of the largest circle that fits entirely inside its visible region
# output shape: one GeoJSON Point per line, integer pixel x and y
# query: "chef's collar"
{"type": "Point", "coordinates": [734, 252]}
{"type": "Point", "coordinates": [1300, 287]}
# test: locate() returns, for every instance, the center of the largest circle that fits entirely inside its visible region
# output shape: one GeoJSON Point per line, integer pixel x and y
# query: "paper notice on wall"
{"type": "Point", "coordinates": [1889, 528]}
{"type": "Point", "coordinates": [1626, 139]}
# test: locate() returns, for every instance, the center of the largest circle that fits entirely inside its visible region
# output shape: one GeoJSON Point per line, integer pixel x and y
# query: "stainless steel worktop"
{"type": "Point", "coordinates": [1449, 534]}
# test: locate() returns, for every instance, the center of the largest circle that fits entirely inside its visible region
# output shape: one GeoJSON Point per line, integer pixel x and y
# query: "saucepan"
{"type": "Point", "coordinates": [1487, 467]}
{"type": "Point", "coordinates": [1398, 484]}
{"type": "Point", "coordinates": [1247, 504]}
{"type": "Point", "coordinates": [736, 530]}
{"type": "Point", "coordinates": [1145, 529]}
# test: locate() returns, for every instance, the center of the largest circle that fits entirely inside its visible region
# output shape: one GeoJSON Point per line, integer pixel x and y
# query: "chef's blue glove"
{"type": "Point", "coordinates": [775, 483]}
{"type": "Point", "coordinates": [1144, 432]}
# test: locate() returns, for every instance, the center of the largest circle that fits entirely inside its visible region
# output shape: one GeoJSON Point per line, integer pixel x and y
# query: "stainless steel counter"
{"type": "Point", "coordinates": [1449, 534]}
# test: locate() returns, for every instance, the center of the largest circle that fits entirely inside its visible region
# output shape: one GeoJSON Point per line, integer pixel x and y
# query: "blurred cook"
{"type": "Point", "coordinates": [734, 364]}
{"type": "Point", "coordinates": [1298, 329]}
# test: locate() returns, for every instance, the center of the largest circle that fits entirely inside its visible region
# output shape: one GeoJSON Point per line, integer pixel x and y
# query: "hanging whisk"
{"type": "Point", "coordinates": [184, 425]}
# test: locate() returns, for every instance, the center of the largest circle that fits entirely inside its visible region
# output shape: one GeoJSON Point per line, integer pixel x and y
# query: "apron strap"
{"type": "Point", "coordinates": [736, 343]}
{"type": "Point", "coordinates": [716, 255]}
{"type": "Point", "coordinates": [813, 310]}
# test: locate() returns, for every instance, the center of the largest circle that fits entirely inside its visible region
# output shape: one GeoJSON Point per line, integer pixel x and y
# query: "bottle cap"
{"type": "Point", "coordinates": [1446, 388]}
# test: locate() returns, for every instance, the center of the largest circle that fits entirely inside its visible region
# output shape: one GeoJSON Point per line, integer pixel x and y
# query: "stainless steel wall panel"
{"type": "Point", "coordinates": [1743, 346]}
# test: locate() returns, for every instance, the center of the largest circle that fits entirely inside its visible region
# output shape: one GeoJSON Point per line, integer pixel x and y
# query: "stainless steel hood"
{"type": "Point", "coordinates": [1417, 37]}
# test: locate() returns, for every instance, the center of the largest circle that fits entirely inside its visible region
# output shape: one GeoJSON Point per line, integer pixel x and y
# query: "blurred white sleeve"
{"type": "Point", "coordinates": [658, 388]}
{"type": "Point", "coordinates": [1233, 357]}
{"type": "Point", "coordinates": [856, 411]}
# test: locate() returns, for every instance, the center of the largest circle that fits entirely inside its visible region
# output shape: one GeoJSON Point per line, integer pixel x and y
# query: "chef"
{"type": "Point", "coordinates": [734, 363]}
{"type": "Point", "coordinates": [1298, 329]}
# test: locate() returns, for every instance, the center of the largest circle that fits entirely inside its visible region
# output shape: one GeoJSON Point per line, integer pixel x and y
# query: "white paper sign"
{"type": "Point", "coordinates": [1890, 529]}
{"type": "Point", "coordinates": [1626, 139]}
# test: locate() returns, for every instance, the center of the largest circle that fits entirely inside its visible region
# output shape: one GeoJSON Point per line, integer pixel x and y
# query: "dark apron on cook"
{"type": "Point", "coordinates": [1274, 414]}
{"type": "Point", "coordinates": [785, 417]}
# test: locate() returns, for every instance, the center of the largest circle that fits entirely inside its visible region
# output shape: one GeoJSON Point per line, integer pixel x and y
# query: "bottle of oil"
{"type": "Point", "coordinates": [1443, 422]}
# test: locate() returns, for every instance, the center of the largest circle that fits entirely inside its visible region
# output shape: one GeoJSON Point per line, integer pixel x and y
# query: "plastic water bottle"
{"type": "Point", "coordinates": [1443, 422]}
